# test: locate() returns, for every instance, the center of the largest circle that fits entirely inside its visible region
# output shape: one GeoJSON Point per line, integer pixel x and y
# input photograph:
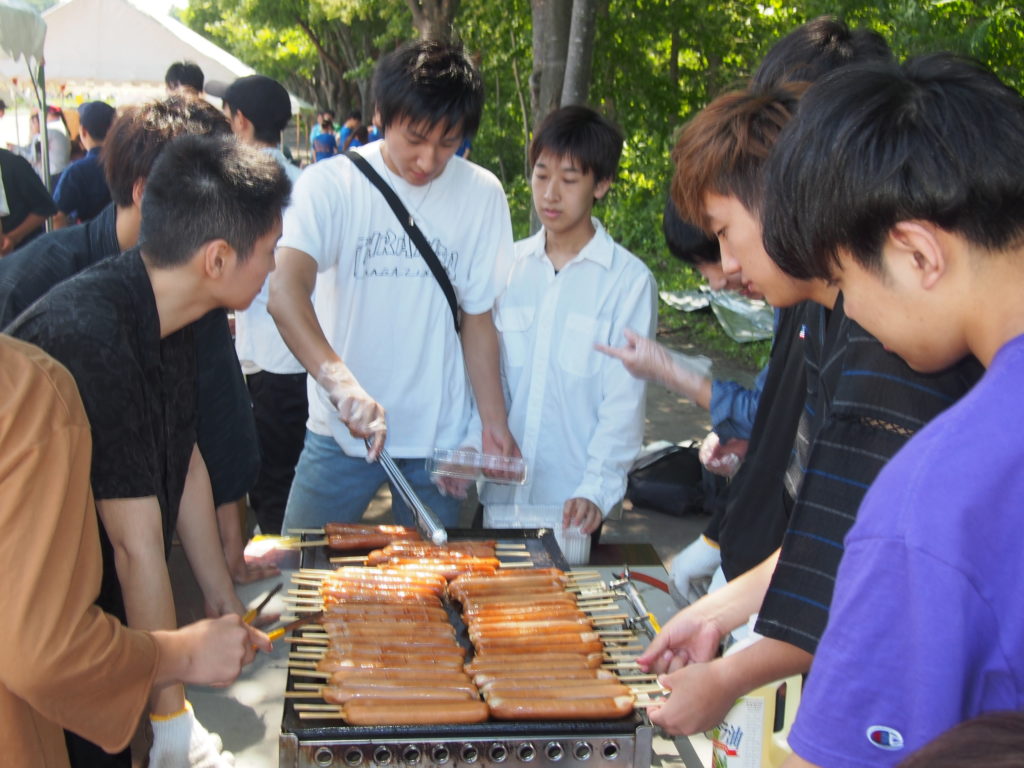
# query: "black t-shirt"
{"type": "Point", "coordinates": [33, 269]}
{"type": "Point", "coordinates": [226, 428]}
{"type": "Point", "coordinates": [139, 390]}
{"type": "Point", "coordinates": [25, 193]}
{"type": "Point", "coordinates": [757, 510]}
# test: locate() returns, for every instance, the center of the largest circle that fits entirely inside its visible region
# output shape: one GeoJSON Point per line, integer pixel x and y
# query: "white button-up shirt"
{"type": "Point", "coordinates": [577, 414]}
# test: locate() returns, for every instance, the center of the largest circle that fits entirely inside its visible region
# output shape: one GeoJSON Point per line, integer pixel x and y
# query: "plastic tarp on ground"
{"type": "Point", "coordinates": [741, 318]}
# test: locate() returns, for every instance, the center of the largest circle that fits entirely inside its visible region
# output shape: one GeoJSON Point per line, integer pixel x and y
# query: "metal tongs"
{"type": "Point", "coordinates": [426, 520]}
{"type": "Point", "coordinates": [644, 618]}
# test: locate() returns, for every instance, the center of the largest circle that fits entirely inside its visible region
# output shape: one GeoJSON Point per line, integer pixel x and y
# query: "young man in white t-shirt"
{"type": "Point", "coordinates": [380, 335]}
{"type": "Point", "coordinates": [577, 414]}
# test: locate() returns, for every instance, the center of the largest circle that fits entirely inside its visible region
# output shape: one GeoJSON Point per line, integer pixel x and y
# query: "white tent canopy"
{"type": "Point", "coordinates": [114, 49]}
{"type": "Point", "coordinates": [21, 32]}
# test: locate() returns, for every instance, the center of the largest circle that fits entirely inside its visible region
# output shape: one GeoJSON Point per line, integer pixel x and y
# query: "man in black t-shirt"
{"type": "Point", "coordinates": [226, 429]}
{"type": "Point", "coordinates": [210, 221]}
{"type": "Point", "coordinates": [24, 202]}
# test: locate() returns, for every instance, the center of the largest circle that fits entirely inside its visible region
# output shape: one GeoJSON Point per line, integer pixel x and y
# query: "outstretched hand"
{"type": "Point", "coordinates": [689, 637]}
{"type": "Point", "coordinates": [644, 358]}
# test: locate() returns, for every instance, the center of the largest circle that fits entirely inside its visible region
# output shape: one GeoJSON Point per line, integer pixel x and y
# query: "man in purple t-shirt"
{"type": "Point", "coordinates": [907, 189]}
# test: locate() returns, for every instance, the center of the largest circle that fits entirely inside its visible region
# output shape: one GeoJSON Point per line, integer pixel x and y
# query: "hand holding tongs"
{"type": "Point", "coordinates": [426, 520]}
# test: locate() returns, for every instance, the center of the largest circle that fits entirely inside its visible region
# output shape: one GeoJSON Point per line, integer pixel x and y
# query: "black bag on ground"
{"type": "Point", "coordinates": [673, 481]}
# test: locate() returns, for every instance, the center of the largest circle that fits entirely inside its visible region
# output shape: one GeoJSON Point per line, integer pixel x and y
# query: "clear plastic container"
{"type": "Point", "coordinates": [472, 465]}
{"type": "Point", "coordinates": [574, 544]}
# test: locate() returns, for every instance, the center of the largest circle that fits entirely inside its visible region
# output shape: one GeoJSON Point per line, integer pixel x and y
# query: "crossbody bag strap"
{"type": "Point", "coordinates": [414, 232]}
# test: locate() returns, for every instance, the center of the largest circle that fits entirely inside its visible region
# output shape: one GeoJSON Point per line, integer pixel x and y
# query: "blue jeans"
{"type": "Point", "coordinates": [330, 486]}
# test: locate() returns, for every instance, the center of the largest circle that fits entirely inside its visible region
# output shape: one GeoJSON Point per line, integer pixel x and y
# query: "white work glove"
{"type": "Point", "coordinates": [691, 571]}
{"type": "Point", "coordinates": [363, 415]}
{"type": "Point", "coordinates": [181, 741]}
{"type": "Point", "coordinates": [647, 359]}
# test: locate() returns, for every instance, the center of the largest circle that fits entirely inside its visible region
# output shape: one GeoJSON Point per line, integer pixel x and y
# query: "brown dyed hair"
{"type": "Point", "coordinates": [724, 148]}
{"type": "Point", "coordinates": [994, 740]}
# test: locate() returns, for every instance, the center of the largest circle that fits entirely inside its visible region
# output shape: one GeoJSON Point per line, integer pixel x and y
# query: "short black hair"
{"type": "Point", "coordinates": [431, 82]}
{"type": "Point", "coordinates": [206, 188]}
{"type": "Point", "coordinates": [687, 242]}
{"type": "Point", "coordinates": [185, 73]}
{"type": "Point", "coordinates": [582, 134]}
{"type": "Point", "coordinates": [139, 134]}
{"type": "Point", "coordinates": [817, 48]}
{"type": "Point", "coordinates": [356, 114]}
{"type": "Point", "coordinates": [940, 139]}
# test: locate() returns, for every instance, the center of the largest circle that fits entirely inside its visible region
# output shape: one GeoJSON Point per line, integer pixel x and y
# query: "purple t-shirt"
{"type": "Point", "coordinates": [927, 627]}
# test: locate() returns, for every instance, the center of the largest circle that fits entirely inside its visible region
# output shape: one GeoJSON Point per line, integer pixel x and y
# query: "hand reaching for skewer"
{"type": "Point", "coordinates": [208, 652]}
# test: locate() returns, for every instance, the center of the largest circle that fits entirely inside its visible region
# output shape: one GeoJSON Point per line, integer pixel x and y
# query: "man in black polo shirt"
{"type": "Point", "coordinates": [210, 221]}
{"type": "Point", "coordinates": [227, 430]}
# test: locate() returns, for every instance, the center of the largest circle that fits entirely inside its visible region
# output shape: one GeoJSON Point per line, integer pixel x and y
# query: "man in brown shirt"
{"type": "Point", "coordinates": [63, 662]}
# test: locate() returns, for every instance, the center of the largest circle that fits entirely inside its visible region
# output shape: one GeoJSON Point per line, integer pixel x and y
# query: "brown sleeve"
{"type": "Point", "coordinates": [63, 657]}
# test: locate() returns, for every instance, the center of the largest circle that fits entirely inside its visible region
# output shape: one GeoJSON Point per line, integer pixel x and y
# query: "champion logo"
{"type": "Point", "coordinates": [884, 737]}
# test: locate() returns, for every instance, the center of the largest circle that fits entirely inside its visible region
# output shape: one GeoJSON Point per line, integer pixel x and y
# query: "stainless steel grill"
{"type": "Point", "coordinates": [623, 743]}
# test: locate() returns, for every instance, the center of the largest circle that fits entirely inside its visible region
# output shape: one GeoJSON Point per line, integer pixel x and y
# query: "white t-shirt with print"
{"type": "Point", "coordinates": [378, 302]}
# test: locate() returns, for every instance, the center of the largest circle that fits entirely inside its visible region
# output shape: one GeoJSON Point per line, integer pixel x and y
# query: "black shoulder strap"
{"type": "Point", "coordinates": [414, 232]}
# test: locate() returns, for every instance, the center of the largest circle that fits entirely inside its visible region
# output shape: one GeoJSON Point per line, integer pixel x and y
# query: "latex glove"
{"type": "Point", "coordinates": [180, 741]}
{"type": "Point", "coordinates": [722, 458]}
{"type": "Point", "coordinates": [688, 637]}
{"type": "Point", "coordinates": [700, 699]}
{"type": "Point", "coordinates": [581, 513]}
{"type": "Point", "coordinates": [644, 358]}
{"type": "Point", "coordinates": [363, 415]}
{"type": "Point", "coordinates": [694, 566]}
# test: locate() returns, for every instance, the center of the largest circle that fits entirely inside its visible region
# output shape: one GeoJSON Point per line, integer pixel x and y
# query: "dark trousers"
{"type": "Point", "coordinates": [85, 754]}
{"type": "Point", "coordinates": [280, 408]}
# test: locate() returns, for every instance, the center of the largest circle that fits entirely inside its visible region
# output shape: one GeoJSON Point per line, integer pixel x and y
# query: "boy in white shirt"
{"type": "Point", "coordinates": [577, 415]}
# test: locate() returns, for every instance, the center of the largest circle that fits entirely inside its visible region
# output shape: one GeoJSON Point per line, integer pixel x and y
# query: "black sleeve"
{"type": "Point", "coordinates": [22, 185]}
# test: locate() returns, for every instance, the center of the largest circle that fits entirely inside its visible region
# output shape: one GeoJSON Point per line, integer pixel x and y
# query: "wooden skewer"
{"type": "Point", "coordinates": [648, 689]}
{"type": "Point", "coordinates": [599, 608]}
{"type": "Point", "coordinates": [315, 571]}
{"type": "Point", "coordinates": [614, 619]}
{"type": "Point", "coordinates": [300, 531]}
{"type": "Point", "coordinates": [301, 664]}
{"type": "Point", "coordinates": [318, 708]}
{"type": "Point", "coordinates": [612, 633]}
{"type": "Point", "coordinates": [314, 543]}
{"type": "Point", "coordinates": [637, 678]}
{"type": "Point", "coordinates": [527, 564]}
{"type": "Point", "coordinates": [302, 694]}
{"type": "Point", "coordinates": [621, 665]}
{"type": "Point", "coordinates": [349, 559]}
{"type": "Point", "coordinates": [304, 659]}
{"type": "Point", "coordinates": [311, 673]}
{"type": "Point", "coordinates": [303, 640]}
{"type": "Point", "coordinates": [586, 575]}
{"type": "Point", "coordinates": [637, 704]}
{"type": "Point", "coordinates": [509, 545]}
{"type": "Point", "coordinates": [513, 553]}
{"type": "Point", "coordinates": [320, 716]}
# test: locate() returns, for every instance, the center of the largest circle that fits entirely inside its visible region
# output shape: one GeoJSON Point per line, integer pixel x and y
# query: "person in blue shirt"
{"type": "Point", "coordinates": [82, 191]}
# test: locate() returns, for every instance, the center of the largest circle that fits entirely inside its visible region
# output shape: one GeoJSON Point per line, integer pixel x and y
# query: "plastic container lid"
{"type": "Point", "coordinates": [472, 465]}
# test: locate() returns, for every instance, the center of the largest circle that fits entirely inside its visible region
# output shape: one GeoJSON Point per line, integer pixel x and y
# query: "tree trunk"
{"type": "Point", "coordinates": [580, 54]}
{"type": "Point", "coordinates": [551, 22]}
{"type": "Point", "coordinates": [433, 18]}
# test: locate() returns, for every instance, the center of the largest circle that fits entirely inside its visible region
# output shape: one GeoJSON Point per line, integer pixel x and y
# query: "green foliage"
{"type": "Point", "coordinates": [656, 63]}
